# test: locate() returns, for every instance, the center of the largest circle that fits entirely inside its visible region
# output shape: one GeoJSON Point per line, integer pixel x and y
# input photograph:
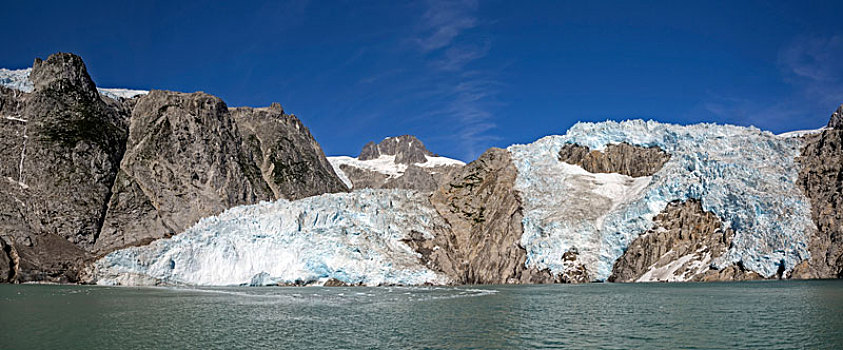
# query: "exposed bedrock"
{"type": "Point", "coordinates": [291, 162]}
{"type": "Point", "coordinates": [183, 162]}
{"type": "Point", "coordinates": [61, 146]}
{"type": "Point", "coordinates": [821, 179]}
{"type": "Point", "coordinates": [679, 247]}
{"type": "Point", "coordinates": [621, 158]}
{"type": "Point", "coordinates": [407, 149]}
{"type": "Point", "coordinates": [484, 212]}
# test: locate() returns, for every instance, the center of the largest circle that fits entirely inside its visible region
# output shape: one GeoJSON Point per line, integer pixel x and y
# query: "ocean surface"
{"type": "Point", "coordinates": [757, 315]}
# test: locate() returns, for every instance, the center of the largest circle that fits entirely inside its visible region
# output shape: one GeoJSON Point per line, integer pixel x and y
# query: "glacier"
{"type": "Point", "coordinates": [18, 79]}
{"type": "Point", "coordinates": [352, 237]}
{"type": "Point", "coordinates": [742, 174]}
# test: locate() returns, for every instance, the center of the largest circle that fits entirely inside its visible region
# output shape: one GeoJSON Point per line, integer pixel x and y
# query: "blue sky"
{"type": "Point", "coordinates": [463, 75]}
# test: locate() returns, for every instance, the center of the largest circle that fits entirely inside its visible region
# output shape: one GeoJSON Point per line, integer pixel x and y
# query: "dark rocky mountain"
{"type": "Point", "coordinates": [83, 174]}
{"type": "Point", "coordinates": [821, 180]}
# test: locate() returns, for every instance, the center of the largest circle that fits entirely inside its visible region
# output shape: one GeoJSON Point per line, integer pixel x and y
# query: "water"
{"type": "Point", "coordinates": [768, 315]}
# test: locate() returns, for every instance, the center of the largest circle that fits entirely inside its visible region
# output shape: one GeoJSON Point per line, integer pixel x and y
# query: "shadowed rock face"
{"type": "Point", "coordinates": [621, 158]}
{"type": "Point", "coordinates": [183, 162]}
{"type": "Point", "coordinates": [291, 162]}
{"type": "Point", "coordinates": [821, 179]}
{"type": "Point", "coordinates": [61, 145]}
{"type": "Point", "coordinates": [484, 212]}
{"type": "Point", "coordinates": [407, 149]}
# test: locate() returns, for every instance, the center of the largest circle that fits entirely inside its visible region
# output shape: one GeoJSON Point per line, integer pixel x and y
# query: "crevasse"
{"type": "Point", "coordinates": [743, 175]}
{"type": "Point", "coordinates": [352, 237]}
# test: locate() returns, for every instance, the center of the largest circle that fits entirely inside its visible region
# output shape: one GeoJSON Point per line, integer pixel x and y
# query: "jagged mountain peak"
{"type": "Point", "coordinates": [407, 149]}
{"type": "Point", "coordinates": [836, 120]}
{"type": "Point", "coordinates": [60, 70]}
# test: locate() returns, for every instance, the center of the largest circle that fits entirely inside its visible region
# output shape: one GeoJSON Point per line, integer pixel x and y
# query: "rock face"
{"type": "Point", "coordinates": [395, 163]}
{"type": "Point", "coordinates": [821, 180]}
{"type": "Point", "coordinates": [836, 120]}
{"type": "Point", "coordinates": [291, 162]}
{"type": "Point", "coordinates": [183, 162]}
{"type": "Point", "coordinates": [82, 174]}
{"type": "Point", "coordinates": [621, 158]}
{"type": "Point", "coordinates": [407, 149]}
{"type": "Point", "coordinates": [61, 146]}
{"type": "Point", "coordinates": [484, 212]}
{"type": "Point", "coordinates": [679, 247]}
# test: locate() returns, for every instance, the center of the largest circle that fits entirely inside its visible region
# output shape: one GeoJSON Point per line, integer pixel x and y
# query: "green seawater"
{"type": "Point", "coordinates": [754, 315]}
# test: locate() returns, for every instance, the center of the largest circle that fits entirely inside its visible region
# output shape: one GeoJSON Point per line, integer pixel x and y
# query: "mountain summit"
{"type": "Point", "coordinates": [407, 149]}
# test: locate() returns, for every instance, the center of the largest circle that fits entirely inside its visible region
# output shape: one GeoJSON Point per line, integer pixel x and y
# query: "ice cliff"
{"type": "Point", "coordinates": [354, 238]}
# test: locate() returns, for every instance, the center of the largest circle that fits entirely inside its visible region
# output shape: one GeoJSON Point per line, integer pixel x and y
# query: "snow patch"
{"type": "Point", "coordinates": [121, 93]}
{"type": "Point", "coordinates": [800, 133]}
{"type": "Point", "coordinates": [385, 164]}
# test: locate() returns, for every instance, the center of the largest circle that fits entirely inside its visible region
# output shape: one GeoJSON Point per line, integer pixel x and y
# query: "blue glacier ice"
{"type": "Point", "coordinates": [352, 237]}
{"type": "Point", "coordinates": [743, 175]}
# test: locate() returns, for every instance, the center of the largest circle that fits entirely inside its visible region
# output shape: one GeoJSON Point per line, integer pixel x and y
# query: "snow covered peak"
{"type": "Point", "coordinates": [18, 79]}
{"type": "Point", "coordinates": [407, 149]}
{"type": "Point", "coordinates": [388, 160]}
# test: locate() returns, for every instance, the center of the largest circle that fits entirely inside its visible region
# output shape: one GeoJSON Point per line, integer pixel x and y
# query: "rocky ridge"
{"type": "Point", "coordinates": [83, 174]}
{"type": "Point", "coordinates": [821, 179]}
{"type": "Point", "coordinates": [621, 158]}
{"type": "Point", "coordinates": [484, 212]}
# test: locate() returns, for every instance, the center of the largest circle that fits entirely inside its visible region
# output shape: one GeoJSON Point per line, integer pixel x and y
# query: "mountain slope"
{"type": "Point", "coordinates": [86, 170]}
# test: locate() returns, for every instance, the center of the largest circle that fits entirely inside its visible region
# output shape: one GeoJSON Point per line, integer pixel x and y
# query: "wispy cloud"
{"type": "Point", "coordinates": [443, 21]}
{"type": "Point", "coordinates": [455, 58]}
{"type": "Point", "coordinates": [813, 67]}
{"type": "Point", "coordinates": [464, 94]}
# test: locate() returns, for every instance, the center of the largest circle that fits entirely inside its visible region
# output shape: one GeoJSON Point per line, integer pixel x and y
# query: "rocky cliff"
{"type": "Point", "coordinates": [821, 179]}
{"type": "Point", "coordinates": [484, 212]}
{"type": "Point", "coordinates": [679, 247]}
{"type": "Point", "coordinates": [400, 162]}
{"type": "Point", "coordinates": [62, 144]}
{"type": "Point", "coordinates": [291, 162]}
{"type": "Point", "coordinates": [83, 174]}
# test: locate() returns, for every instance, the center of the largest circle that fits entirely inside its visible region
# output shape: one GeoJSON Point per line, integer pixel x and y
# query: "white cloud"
{"type": "Point", "coordinates": [445, 20]}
